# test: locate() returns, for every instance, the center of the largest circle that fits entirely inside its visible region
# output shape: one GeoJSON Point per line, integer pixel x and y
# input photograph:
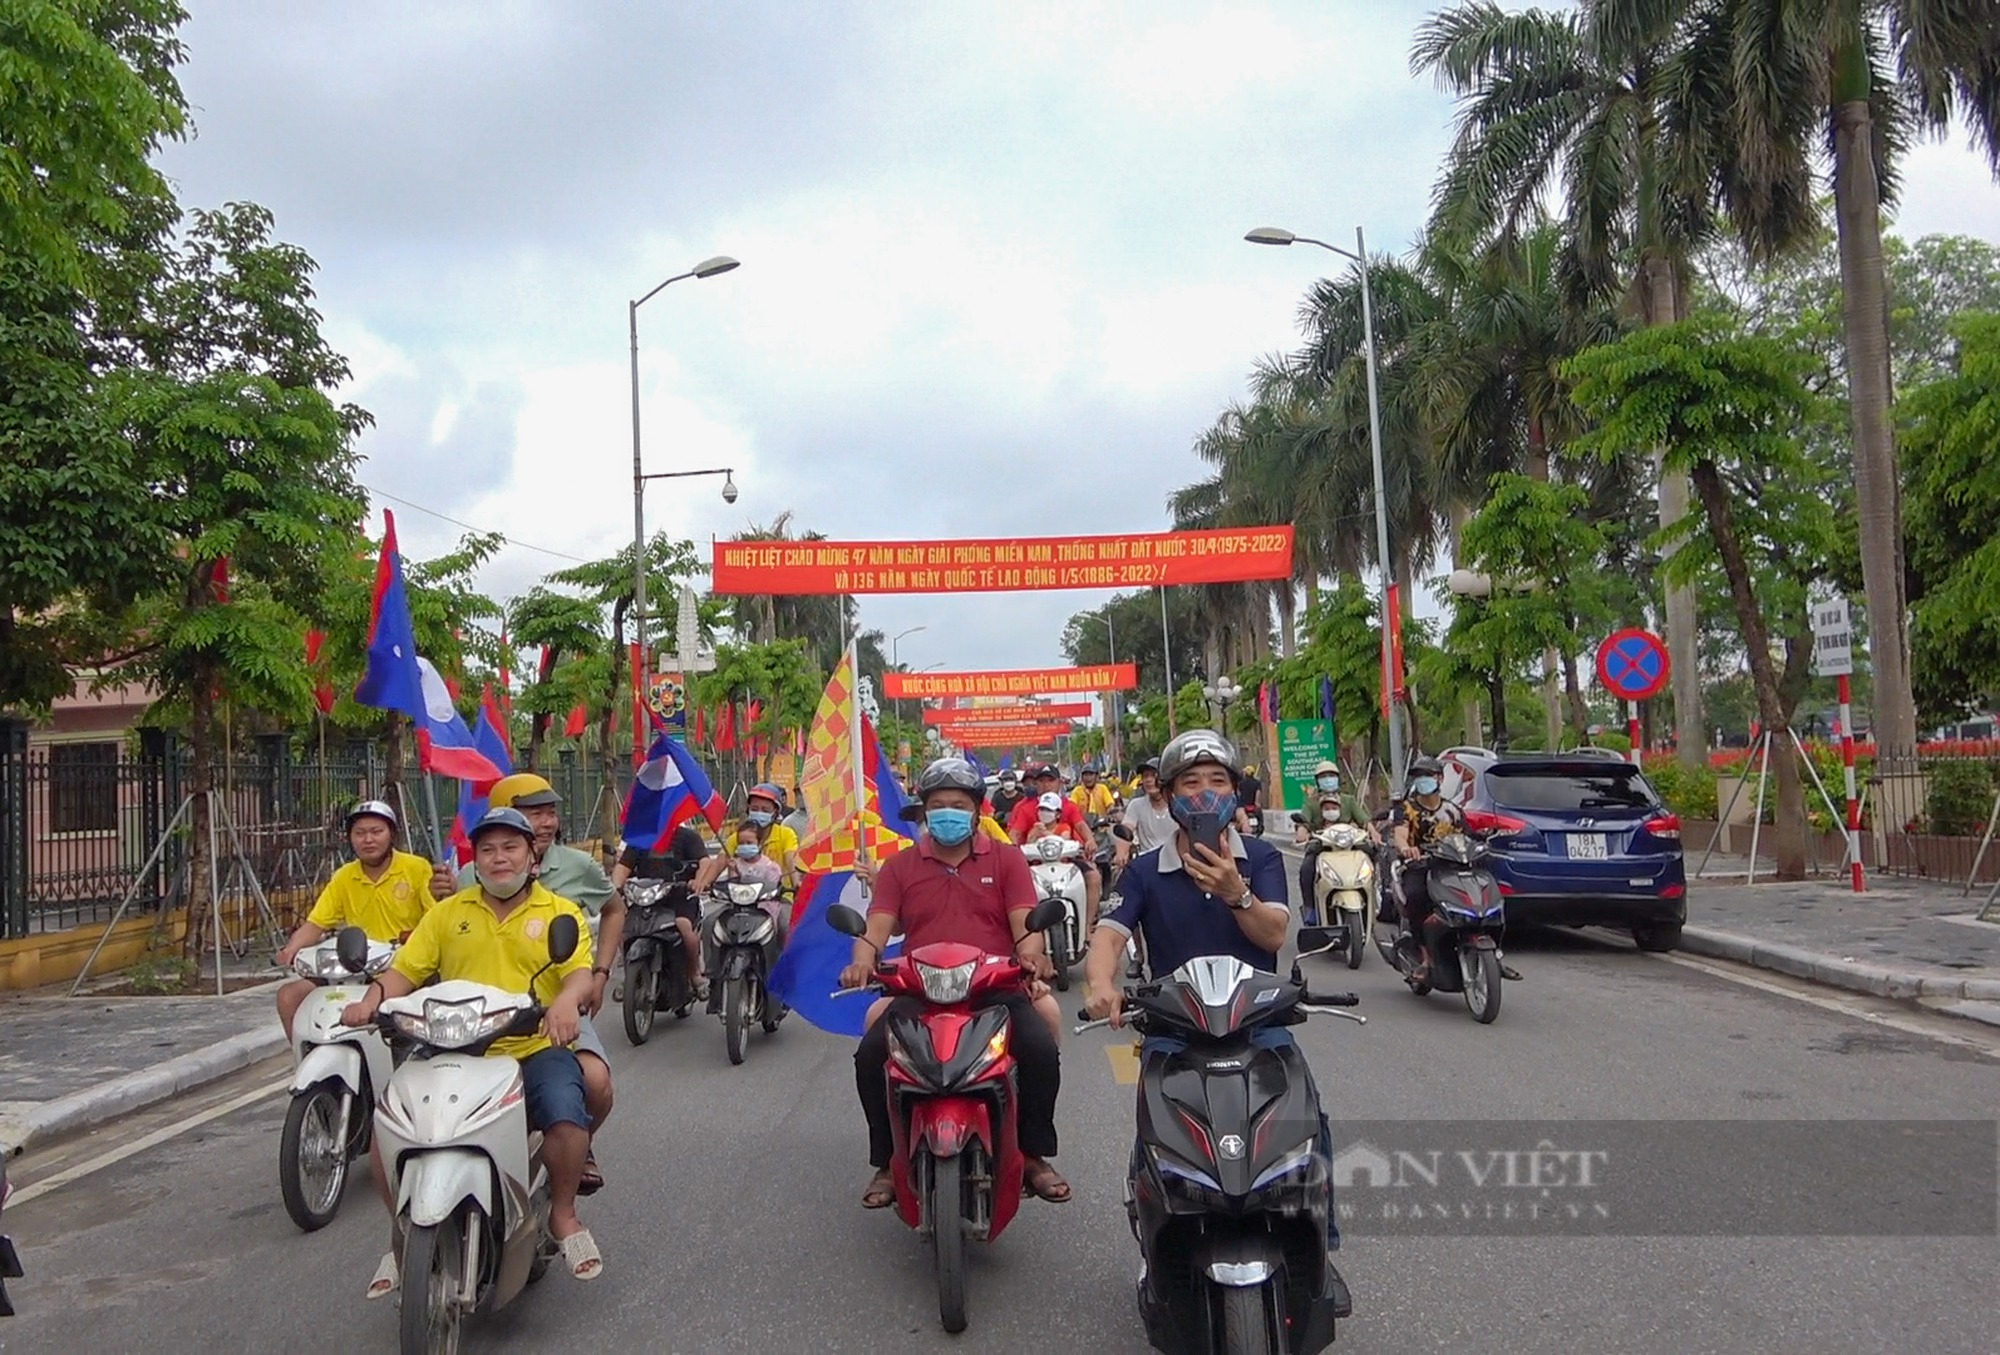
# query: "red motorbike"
{"type": "Point", "coordinates": [957, 1164]}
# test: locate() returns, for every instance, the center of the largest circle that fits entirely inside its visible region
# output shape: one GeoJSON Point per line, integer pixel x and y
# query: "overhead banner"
{"type": "Point", "coordinates": [1004, 564]}
{"type": "Point", "coordinates": [1103, 677]}
{"type": "Point", "coordinates": [1025, 712]}
{"type": "Point", "coordinates": [1029, 736]}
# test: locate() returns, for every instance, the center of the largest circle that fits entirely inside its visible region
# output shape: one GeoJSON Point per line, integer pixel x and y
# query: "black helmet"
{"type": "Point", "coordinates": [1038, 770]}
{"type": "Point", "coordinates": [371, 809]}
{"type": "Point", "coordinates": [950, 773]}
{"type": "Point", "coordinates": [1426, 766]}
{"type": "Point", "coordinates": [1195, 747]}
{"type": "Point", "coordinates": [506, 816]}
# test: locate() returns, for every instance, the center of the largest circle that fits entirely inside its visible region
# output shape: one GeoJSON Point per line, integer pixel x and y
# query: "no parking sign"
{"type": "Point", "coordinates": [1632, 664]}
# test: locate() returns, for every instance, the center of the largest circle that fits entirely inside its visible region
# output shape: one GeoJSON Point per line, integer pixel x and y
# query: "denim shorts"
{"type": "Point", "coordinates": [554, 1083]}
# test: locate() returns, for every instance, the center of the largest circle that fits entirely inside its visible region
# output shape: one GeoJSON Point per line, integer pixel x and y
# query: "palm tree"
{"type": "Point", "coordinates": [1549, 99]}
{"type": "Point", "coordinates": [1764, 89]}
{"type": "Point", "coordinates": [823, 621]}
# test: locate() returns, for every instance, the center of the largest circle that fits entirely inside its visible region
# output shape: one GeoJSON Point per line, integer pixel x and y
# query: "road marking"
{"type": "Point", "coordinates": [1124, 1063]}
{"type": "Point", "coordinates": [71, 1175]}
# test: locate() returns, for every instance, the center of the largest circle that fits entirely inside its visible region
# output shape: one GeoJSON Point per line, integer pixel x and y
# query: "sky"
{"type": "Point", "coordinates": [993, 278]}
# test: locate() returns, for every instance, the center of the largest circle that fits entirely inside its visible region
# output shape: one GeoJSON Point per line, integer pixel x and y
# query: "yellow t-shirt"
{"type": "Point", "coordinates": [991, 827]}
{"type": "Point", "coordinates": [1096, 800]}
{"type": "Point", "coordinates": [781, 844]}
{"type": "Point", "coordinates": [386, 908]}
{"type": "Point", "coordinates": [460, 938]}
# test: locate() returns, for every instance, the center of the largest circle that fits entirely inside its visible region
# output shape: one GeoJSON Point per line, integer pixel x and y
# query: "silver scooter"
{"type": "Point", "coordinates": [339, 1072]}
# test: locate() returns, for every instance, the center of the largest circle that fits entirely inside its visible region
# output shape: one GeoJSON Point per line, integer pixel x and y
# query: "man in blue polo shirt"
{"type": "Point", "coordinates": [1188, 901]}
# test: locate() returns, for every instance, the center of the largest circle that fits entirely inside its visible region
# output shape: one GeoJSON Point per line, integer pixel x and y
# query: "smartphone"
{"type": "Point", "coordinates": [1205, 830]}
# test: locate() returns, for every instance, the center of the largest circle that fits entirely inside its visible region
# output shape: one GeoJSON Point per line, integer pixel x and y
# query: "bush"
{"type": "Point", "coordinates": [1690, 793]}
{"type": "Point", "coordinates": [1960, 799]}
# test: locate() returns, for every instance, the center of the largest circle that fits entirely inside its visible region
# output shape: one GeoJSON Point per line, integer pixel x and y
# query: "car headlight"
{"type": "Point", "coordinates": [947, 985]}
{"type": "Point", "coordinates": [745, 892]}
{"type": "Point", "coordinates": [454, 1025]}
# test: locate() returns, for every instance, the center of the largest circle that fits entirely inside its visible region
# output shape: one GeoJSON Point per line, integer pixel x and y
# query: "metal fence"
{"type": "Point", "coordinates": [80, 819]}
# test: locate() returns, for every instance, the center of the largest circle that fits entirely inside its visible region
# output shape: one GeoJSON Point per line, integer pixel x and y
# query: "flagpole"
{"type": "Point", "coordinates": [854, 736]}
{"type": "Point", "coordinates": [431, 804]}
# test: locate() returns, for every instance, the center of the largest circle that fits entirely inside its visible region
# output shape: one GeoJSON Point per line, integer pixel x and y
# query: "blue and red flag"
{"type": "Point", "coordinates": [397, 678]}
{"type": "Point", "coordinates": [807, 974]}
{"type": "Point", "coordinates": [489, 736]}
{"type": "Point", "coordinates": [671, 790]}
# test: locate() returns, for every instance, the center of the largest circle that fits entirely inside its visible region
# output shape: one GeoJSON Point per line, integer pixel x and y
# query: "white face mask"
{"type": "Point", "coordinates": [1049, 816]}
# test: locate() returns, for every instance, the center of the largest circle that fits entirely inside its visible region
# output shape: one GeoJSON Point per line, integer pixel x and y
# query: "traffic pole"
{"type": "Point", "coordinates": [1632, 732]}
{"type": "Point", "coordinates": [1847, 775]}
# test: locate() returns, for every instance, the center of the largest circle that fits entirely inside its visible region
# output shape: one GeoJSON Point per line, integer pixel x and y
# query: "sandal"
{"type": "Point", "coordinates": [881, 1192]}
{"type": "Point", "coordinates": [592, 1179]}
{"type": "Point", "coordinates": [1040, 1179]}
{"type": "Point", "coordinates": [580, 1254]}
{"type": "Point", "coordinates": [388, 1277]}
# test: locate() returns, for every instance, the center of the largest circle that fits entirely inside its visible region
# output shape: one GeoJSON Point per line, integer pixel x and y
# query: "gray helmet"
{"type": "Point", "coordinates": [950, 773]}
{"type": "Point", "coordinates": [1196, 747]}
{"type": "Point", "coordinates": [371, 809]}
{"type": "Point", "coordinates": [1426, 766]}
{"type": "Point", "coordinates": [506, 816]}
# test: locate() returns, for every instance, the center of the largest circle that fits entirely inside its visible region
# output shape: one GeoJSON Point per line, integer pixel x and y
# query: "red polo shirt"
{"type": "Point", "coordinates": [968, 903]}
{"type": "Point", "coordinates": [1026, 816]}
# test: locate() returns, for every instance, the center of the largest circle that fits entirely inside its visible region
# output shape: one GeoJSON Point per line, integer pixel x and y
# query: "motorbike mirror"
{"type": "Point", "coordinates": [1316, 940]}
{"type": "Point", "coordinates": [564, 935]}
{"type": "Point", "coordinates": [1045, 915]}
{"type": "Point", "coordinates": [351, 945]}
{"type": "Point", "coordinates": [847, 921]}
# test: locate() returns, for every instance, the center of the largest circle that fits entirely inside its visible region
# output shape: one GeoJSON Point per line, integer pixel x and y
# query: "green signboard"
{"type": "Point", "coordinates": [1302, 746]}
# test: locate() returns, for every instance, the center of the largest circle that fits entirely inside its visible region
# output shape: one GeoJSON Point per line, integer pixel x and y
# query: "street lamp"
{"type": "Point", "coordinates": [1111, 706]}
{"type": "Point", "coordinates": [707, 268]}
{"type": "Point", "coordinates": [1271, 235]}
{"type": "Point", "coordinates": [1222, 692]}
{"type": "Point", "coordinates": [1480, 588]}
{"type": "Point", "coordinates": [895, 640]}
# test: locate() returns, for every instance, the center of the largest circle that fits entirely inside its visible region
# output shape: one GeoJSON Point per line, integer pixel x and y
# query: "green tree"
{"type": "Point", "coordinates": [782, 678]}
{"type": "Point", "coordinates": [569, 630]}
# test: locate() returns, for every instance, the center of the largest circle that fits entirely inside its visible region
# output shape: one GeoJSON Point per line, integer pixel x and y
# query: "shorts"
{"type": "Point", "coordinates": [553, 1080]}
{"type": "Point", "coordinates": [588, 1041]}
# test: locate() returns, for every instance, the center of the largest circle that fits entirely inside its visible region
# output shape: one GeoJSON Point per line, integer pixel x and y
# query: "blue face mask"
{"type": "Point", "coordinates": [761, 817]}
{"type": "Point", "coordinates": [748, 851]}
{"type": "Point", "coordinates": [1329, 783]}
{"type": "Point", "coordinates": [1221, 803]}
{"type": "Point", "coordinates": [948, 827]}
{"type": "Point", "coordinates": [1425, 785]}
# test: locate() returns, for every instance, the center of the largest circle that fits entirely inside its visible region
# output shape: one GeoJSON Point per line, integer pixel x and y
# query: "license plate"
{"type": "Point", "coordinates": [1586, 846]}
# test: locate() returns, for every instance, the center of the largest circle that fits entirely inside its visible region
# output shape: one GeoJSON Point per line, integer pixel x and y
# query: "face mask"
{"type": "Point", "coordinates": [1048, 815]}
{"type": "Point", "coordinates": [1221, 803]}
{"type": "Point", "coordinates": [949, 827]}
{"type": "Point", "coordinates": [762, 818]}
{"type": "Point", "coordinates": [1329, 783]}
{"type": "Point", "coordinates": [748, 851]}
{"type": "Point", "coordinates": [1425, 785]}
{"type": "Point", "coordinates": [494, 887]}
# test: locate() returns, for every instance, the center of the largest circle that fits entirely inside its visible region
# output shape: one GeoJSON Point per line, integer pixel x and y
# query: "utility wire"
{"type": "Point", "coordinates": [512, 541]}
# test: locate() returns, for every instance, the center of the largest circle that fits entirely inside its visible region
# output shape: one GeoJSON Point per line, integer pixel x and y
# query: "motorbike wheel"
{"type": "Point", "coordinates": [1246, 1321]}
{"type": "Point", "coordinates": [947, 1211]}
{"type": "Point", "coordinates": [431, 1321]}
{"type": "Point", "coordinates": [1357, 939]}
{"type": "Point", "coordinates": [1481, 972]}
{"type": "Point", "coordinates": [642, 982]}
{"type": "Point", "coordinates": [312, 1157]}
{"type": "Point", "coordinates": [736, 1018]}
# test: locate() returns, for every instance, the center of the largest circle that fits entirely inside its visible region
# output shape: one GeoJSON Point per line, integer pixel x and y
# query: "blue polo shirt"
{"type": "Point", "coordinates": [1160, 899]}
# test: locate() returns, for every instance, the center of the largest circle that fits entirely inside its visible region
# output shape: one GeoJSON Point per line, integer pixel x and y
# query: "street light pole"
{"type": "Point", "coordinates": [1392, 677]}
{"type": "Point", "coordinates": [1111, 705]}
{"type": "Point", "coordinates": [894, 641]}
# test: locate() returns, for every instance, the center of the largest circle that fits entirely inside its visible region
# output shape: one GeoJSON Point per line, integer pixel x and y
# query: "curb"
{"type": "Point", "coordinates": [137, 1090]}
{"type": "Point", "coordinates": [1853, 975]}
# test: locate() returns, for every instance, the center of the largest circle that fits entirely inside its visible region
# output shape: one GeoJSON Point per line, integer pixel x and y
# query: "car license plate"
{"type": "Point", "coordinates": [1586, 846]}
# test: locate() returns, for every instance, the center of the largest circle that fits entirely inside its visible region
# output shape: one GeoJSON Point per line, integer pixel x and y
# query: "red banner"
{"type": "Point", "coordinates": [1025, 712]}
{"type": "Point", "coordinates": [1004, 564]}
{"type": "Point", "coordinates": [997, 736]}
{"type": "Point", "coordinates": [1103, 677]}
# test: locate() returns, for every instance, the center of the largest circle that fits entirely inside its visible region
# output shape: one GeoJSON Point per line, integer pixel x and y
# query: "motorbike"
{"type": "Point", "coordinates": [338, 1073]}
{"type": "Point", "coordinates": [472, 1196]}
{"type": "Point", "coordinates": [743, 946]}
{"type": "Point", "coordinates": [1054, 863]}
{"type": "Point", "coordinates": [957, 1162]}
{"type": "Point", "coordinates": [656, 978]}
{"type": "Point", "coordinates": [1344, 885]}
{"type": "Point", "coordinates": [1230, 1186]}
{"type": "Point", "coordinates": [10, 1260]}
{"type": "Point", "coordinates": [1254, 816]}
{"type": "Point", "coordinates": [1463, 929]}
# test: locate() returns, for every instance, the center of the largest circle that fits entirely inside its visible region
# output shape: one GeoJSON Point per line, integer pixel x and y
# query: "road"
{"type": "Point", "coordinates": [732, 1225]}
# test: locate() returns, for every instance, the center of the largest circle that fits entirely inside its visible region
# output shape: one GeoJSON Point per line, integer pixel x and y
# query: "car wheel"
{"type": "Point", "coordinates": [1657, 937]}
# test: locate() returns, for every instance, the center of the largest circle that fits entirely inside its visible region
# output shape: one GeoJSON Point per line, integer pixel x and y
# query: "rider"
{"type": "Point", "coordinates": [1191, 902]}
{"type": "Point", "coordinates": [748, 862]}
{"type": "Point", "coordinates": [382, 891]}
{"type": "Point", "coordinates": [568, 874]}
{"type": "Point", "coordinates": [495, 933]}
{"type": "Point", "coordinates": [1421, 817]}
{"type": "Point", "coordinates": [765, 806]}
{"type": "Point", "coordinates": [1328, 804]}
{"type": "Point", "coordinates": [1046, 781]}
{"type": "Point", "coordinates": [1007, 794]}
{"type": "Point", "coordinates": [958, 885]}
{"type": "Point", "coordinates": [1149, 816]}
{"type": "Point", "coordinates": [692, 870]}
{"type": "Point", "coordinates": [1093, 797]}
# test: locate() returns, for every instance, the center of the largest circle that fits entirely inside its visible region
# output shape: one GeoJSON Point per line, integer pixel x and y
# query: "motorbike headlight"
{"type": "Point", "coordinates": [644, 893]}
{"type": "Point", "coordinates": [745, 892]}
{"type": "Point", "coordinates": [1190, 1181]}
{"type": "Point", "coordinates": [1051, 848]}
{"type": "Point", "coordinates": [454, 1025]}
{"type": "Point", "coordinates": [947, 985]}
{"type": "Point", "coordinates": [317, 964]}
{"type": "Point", "coordinates": [1299, 1168]}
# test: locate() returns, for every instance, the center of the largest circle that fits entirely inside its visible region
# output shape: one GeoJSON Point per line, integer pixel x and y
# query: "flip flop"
{"type": "Point", "coordinates": [592, 1179]}
{"type": "Point", "coordinates": [580, 1254]}
{"type": "Point", "coordinates": [1046, 1183]}
{"type": "Point", "coordinates": [881, 1192]}
{"type": "Point", "coordinates": [388, 1277]}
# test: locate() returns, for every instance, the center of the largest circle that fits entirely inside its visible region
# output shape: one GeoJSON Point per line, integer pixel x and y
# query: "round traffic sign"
{"type": "Point", "coordinates": [1632, 664]}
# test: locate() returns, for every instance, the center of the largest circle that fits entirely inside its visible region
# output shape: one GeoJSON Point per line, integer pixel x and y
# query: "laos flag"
{"type": "Point", "coordinates": [671, 790]}
{"type": "Point", "coordinates": [490, 738]}
{"type": "Point", "coordinates": [807, 974]}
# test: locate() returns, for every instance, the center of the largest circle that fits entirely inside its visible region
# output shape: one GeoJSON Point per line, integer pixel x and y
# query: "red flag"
{"type": "Point", "coordinates": [725, 728]}
{"type": "Point", "coordinates": [578, 720]}
{"type": "Point", "coordinates": [322, 689]}
{"type": "Point", "coordinates": [547, 666]}
{"type": "Point", "coordinates": [700, 726]}
{"type": "Point", "coordinates": [506, 675]}
{"type": "Point", "coordinates": [497, 718]}
{"type": "Point", "coordinates": [218, 579]}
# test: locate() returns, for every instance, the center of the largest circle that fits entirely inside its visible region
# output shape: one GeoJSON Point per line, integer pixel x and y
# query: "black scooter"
{"type": "Point", "coordinates": [10, 1260]}
{"type": "Point", "coordinates": [743, 944]}
{"type": "Point", "coordinates": [1463, 929]}
{"type": "Point", "coordinates": [656, 977]}
{"type": "Point", "coordinates": [1230, 1187]}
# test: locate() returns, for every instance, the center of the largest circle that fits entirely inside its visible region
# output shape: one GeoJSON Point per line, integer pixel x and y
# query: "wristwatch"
{"type": "Point", "coordinates": [1246, 903]}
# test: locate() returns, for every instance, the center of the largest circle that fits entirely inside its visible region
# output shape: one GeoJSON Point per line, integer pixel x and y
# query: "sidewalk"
{"type": "Point", "coordinates": [71, 1063]}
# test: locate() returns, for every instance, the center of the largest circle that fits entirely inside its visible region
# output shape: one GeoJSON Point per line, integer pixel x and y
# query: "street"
{"type": "Point", "coordinates": [731, 1222]}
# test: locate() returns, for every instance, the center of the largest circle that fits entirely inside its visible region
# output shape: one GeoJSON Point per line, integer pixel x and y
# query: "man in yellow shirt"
{"type": "Point", "coordinates": [497, 933]}
{"type": "Point", "coordinates": [764, 805]}
{"type": "Point", "coordinates": [1093, 797]}
{"type": "Point", "coordinates": [382, 891]}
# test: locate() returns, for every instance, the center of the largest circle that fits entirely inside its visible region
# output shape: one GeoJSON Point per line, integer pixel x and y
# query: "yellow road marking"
{"type": "Point", "coordinates": [1124, 1063]}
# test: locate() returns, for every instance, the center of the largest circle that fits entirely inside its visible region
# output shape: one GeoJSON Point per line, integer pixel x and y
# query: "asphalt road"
{"type": "Point", "coordinates": [731, 1223]}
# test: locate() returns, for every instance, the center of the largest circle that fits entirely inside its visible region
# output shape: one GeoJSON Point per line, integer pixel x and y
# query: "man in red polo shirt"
{"type": "Point", "coordinates": [959, 885]}
{"type": "Point", "coordinates": [1044, 780]}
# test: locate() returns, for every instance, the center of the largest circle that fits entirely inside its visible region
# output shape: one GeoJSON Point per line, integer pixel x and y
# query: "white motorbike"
{"type": "Point", "coordinates": [1344, 884]}
{"type": "Point", "coordinates": [472, 1195]}
{"type": "Point", "coordinates": [1053, 861]}
{"type": "Point", "coordinates": [338, 1072]}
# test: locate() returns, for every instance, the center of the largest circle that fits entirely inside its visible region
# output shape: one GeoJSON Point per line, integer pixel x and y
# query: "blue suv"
{"type": "Point", "coordinates": [1579, 839]}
